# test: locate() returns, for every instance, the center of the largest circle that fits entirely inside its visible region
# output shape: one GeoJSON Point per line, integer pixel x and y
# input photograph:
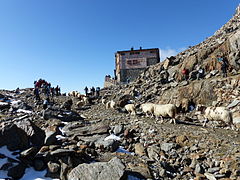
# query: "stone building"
{"type": "Point", "coordinates": [129, 64]}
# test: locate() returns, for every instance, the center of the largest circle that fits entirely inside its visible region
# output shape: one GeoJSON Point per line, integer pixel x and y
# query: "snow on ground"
{"type": "Point", "coordinates": [3, 103]}
{"type": "Point", "coordinates": [30, 173]}
{"type": "Point", "coordinates": [24, 111]}
{"type": "Point", "coordinates": [15, 102]}
{"type": "Point", "coordinates": [112, 136]}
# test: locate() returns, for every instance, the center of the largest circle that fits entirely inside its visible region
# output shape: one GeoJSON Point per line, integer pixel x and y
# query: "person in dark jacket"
{"type": "Point", "coordinates": [86, 90]}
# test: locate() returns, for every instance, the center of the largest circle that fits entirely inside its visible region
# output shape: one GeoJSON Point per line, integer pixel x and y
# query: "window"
{"type": "Point", "coordinates": [152, 52]}
{"type": "Point", "coordinates": [129, 62]}
{"type": "Point", "coordinates": [135, 62]}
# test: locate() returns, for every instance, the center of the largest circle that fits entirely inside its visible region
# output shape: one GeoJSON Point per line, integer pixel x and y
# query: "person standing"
{"type": "Point", "coordinates": [86, 90]}
{"type": "Point", "coordinates": [97, 91]}
{"type": "Point", "coordinates": [224, 67]}
{"type": "Point", "coordinates": [93, 91]}
{"type": "Point", "coordinates": [185, 74]}
{"type": "Point", "coordinates": [36, 93]}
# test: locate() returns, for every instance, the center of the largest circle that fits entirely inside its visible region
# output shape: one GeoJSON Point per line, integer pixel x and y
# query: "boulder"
{"type": "Point", "coordinates": [123, 100]}
{"type": "Point", "coordinates": [51, 132]}
{"type": "Point", "coordinates": [21, 105]}
{"type": "Point", "coordinates": [14, 138]}
{"type": "Point", "coordinates": [69, 116]}
{"type": "Point", "coordinates": [4, 105]}
{"type": "Point", "coordinates": [112, 170]}
{"type": "Point", "coordinates": [53, 167]}
{"type": "Point", "coordinates": [234, 103]}
{"type": "Point", "coordinates": [16, 172]}
{"type": "Point", "coordinates": [36, 134]}
{"type": "Point", "coordinates": [139, 149]}
{"type": "Point", "coordinates": [118, 129]}
{"type": "Point", "coordinates": [109, 145]}
{"type": "Point", "coordinates": [168, 146]}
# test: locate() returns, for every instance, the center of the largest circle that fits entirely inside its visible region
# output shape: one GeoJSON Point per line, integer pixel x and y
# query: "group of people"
{"type": "Point", "coordinates": [92, 91]}
{"type": "Point", "coordinates": [45, 87]}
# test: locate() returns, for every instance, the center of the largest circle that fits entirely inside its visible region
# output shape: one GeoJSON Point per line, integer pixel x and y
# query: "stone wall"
{"type": "Point", "coordinates": [132, 74]}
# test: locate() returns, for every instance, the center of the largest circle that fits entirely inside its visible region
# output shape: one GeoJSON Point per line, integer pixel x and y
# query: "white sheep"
{"type": "Point", "coordinates": [103, 101]}
{"type": "Point", "coordinates": [112, 104]}
{"type": "Point", "coordinates": [147, 108]}
{"type": "Point", "coordinates": [165, 110]}
{"type": "Point", "coordinates": [108, 104]}
{"type": "Point", "coordinates": [130, 108]}
{"type": "Point", "coordinates": [85, 99]}
{"type": "Point", "coordinates": [79, 104]}
{"type": "Point", "coordinates": [222, 114]}
{"type": "Point", "coordinates": [72, 93]}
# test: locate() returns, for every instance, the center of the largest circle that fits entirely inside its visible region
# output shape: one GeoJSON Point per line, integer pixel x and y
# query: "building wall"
{"type": "Point", "coordinates": [131, 63]}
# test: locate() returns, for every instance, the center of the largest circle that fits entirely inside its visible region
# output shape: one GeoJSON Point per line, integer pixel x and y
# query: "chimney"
{"type": "Point", "coordinates": [131, 48]}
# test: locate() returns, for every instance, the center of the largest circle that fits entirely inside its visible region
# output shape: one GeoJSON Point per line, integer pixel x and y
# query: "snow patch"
{"type": "Point", "coordinates": [30, 173]}
{"type": "Point", "coordinates": [60, 137]}
{"type": "Point", "coordinates": [3, 103]}
{"type": "Point", "coordinates": [24, 111]}
{"type": "Point", "coordinates": [112, 136]}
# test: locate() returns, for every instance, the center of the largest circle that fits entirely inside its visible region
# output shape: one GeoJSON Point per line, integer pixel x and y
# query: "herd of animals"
{"type": "Point", "coordinates": [222, 114]}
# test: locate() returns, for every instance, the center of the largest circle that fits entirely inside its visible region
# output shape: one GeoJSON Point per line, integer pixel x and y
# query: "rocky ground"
{"type": "Point", "coordinates": [138, 148]}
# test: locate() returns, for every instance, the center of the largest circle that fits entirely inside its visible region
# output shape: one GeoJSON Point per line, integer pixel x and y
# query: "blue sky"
{"type": "Point", "coordinates": [71, 43]}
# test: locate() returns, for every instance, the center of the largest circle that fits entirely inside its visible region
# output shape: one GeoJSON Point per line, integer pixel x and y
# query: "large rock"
{"type": "Point", "coordinates": [69, 116]}
{"type": "Point", "coordinates": [16, 172]}
{"type": "Point", "coordinates": [139, 149]}
{"type": "Point", "coordinates": [234, 44]}
{"type": "Point", "coordinates": [21, 105]}
{"type": "Point", "coordinates": [112, 170]}
{"type": "Point", "coordinates": [36, 134]}
{"type": "Point", "coordinates": [51, 132]}
{"type": "Point", "coordinates": [168, 146]}
{"type": "Point", "coordinates": [14, 138]}
{"type": "Point", "coordinates": [123, 100]}
{"type": "Point", "coordinates": [4, 105]}
{"type": "Point", "coordinates": [109, 145]}
{"type": "Point", "coordinates": [236, 118]}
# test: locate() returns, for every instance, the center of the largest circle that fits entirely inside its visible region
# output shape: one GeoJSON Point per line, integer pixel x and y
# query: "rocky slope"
{"type": "Point", "coordinates": [93, 142]}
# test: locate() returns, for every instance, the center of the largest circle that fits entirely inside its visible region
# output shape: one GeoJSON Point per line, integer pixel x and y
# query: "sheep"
{"type": "Point", "coordinates": [164, 110]}
{"type": "Point", "coordinates": [222, 114]}
{"type": "Point", "coordinates": [72, 93]}
{"type": "Point", "coordinates": [110, 104]}
{"type": "Point", "coordinates": [85, 99]}
{"type": "Point", "coordinates": [130, 109]}
{"type": "Point", "coordinates": [79, 104]}
{"type": "Point", "coordinates": [80, 96]}
{"type": "Point", "coordinates": [103, 101]}
{"type": "Point", "coordinates": [147, 108]}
